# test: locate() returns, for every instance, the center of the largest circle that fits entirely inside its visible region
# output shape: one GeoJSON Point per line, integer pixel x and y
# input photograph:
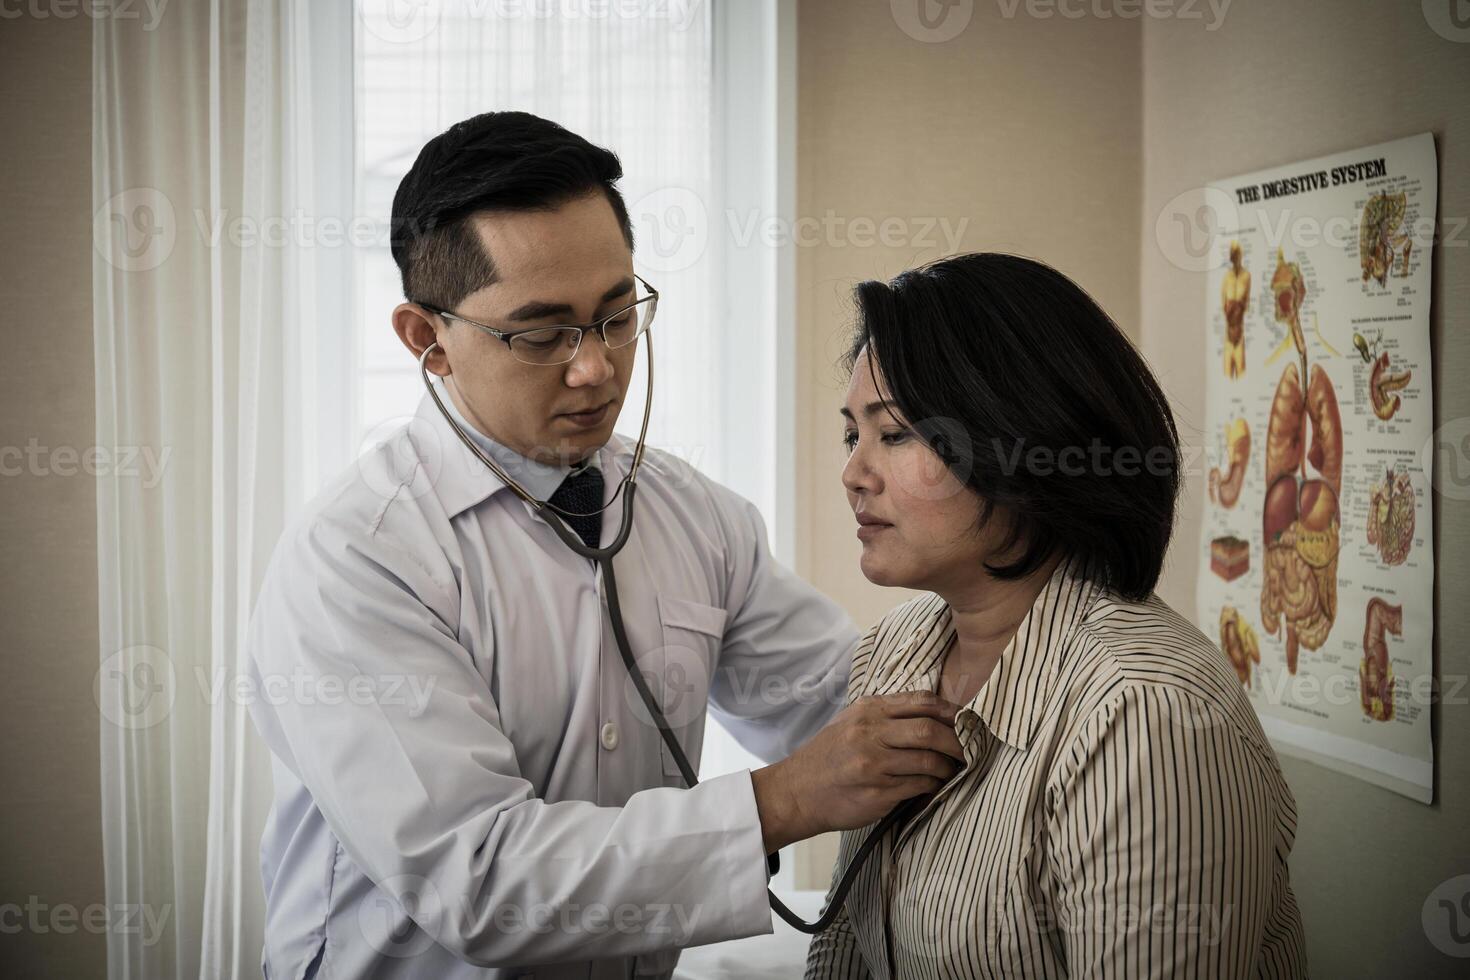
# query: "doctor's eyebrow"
{"type": "Point", "coordinates": [536, 310]}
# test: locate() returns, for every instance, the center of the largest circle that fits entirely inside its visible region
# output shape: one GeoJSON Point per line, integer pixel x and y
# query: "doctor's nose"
{"type": "Point", "coordinates": [591, 366]}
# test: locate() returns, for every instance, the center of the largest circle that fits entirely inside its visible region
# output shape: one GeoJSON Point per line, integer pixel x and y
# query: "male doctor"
{"type": "Point", "coordinates": [488, 797]}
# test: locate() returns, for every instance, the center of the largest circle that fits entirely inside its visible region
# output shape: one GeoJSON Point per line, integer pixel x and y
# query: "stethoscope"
{"type": "Point", "coordinates": [628, 489]}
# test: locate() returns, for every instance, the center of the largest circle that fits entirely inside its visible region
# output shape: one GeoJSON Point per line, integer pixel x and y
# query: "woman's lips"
{"type": "Point", "coordinates": [588, 420]}
{"type": "Point", "coordinates": [870, 529]}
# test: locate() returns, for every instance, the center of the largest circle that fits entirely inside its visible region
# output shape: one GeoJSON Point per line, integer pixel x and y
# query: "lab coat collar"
{"type": "Point", "coordinates": [462, 481]}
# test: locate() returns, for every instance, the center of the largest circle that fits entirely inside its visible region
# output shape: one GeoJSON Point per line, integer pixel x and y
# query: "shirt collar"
{"type": "Point", "coordinates": [462, 481]}
{"type": "Point", "coordinates": [1012, 700]}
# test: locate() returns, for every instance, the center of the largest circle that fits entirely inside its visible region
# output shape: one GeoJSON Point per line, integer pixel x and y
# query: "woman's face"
{"type": "Point", "coordinates": [922, 534]}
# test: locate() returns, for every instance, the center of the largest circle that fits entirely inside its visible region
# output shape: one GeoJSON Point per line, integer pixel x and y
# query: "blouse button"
{"type": "Point", "coordinates": [609, 736]}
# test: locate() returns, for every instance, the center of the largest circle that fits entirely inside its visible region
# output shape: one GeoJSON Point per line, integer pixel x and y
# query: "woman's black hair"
{"type": "Point", "coordinates": [1035, 399]}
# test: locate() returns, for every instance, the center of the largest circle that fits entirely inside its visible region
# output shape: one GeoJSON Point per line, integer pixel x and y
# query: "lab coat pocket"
{"type": "Point", "coordinates": [692, 634]}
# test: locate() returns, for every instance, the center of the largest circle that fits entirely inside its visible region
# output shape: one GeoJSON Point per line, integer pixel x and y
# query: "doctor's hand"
{"type": "Point", "coordinates": [876, 753]}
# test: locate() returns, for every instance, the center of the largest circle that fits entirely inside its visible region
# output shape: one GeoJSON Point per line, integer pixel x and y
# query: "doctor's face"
{"type": "Point", "coordinates": [569, 265]}
{"type": "Point", "coordinates": [916, 520]}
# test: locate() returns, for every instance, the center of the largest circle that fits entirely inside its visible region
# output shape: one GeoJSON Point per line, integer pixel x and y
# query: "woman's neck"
{"type": "Point", "coordinates": [986, 613]}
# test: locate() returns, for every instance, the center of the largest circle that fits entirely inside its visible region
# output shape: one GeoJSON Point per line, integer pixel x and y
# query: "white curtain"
{"type": "Point", "coordinates": [208, 362]}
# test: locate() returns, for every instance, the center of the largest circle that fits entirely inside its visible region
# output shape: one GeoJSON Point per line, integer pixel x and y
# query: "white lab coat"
{"type": "Point", "coordinates": [466, 782]}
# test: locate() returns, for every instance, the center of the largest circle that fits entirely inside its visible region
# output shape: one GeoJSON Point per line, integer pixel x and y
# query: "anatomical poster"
{"type": "Point", "coordinates": [1317, 563]}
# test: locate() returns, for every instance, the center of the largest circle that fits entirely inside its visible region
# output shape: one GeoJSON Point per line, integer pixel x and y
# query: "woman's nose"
{"type": "Point", "coordinates": [857, 475]}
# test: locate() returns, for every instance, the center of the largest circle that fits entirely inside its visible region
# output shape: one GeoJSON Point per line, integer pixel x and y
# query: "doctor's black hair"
{"type": "Point", "coordinates": [1036, 400]}
{"type": "Point", "coordinates": [496, 161]}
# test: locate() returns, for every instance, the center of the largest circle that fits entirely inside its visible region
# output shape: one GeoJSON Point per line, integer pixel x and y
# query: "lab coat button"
{"type": "Point", "coordinates": [609, 736]}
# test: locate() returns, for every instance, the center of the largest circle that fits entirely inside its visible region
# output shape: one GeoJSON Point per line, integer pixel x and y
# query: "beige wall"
{"type": "Point", "coordinates": [1282, 82]}
{"type": "Point", "coordinates": [50, 821]}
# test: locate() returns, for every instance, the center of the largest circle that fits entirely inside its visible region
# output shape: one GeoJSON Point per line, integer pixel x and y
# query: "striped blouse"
{"type": "Point", "coordinates": [1120, 812]}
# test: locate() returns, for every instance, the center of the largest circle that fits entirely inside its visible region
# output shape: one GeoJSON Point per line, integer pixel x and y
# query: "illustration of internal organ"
{"type": "Point", "coordinates": [1375, 674]}
{"type": "Point", "coordinates": [1391, 517]}
{"type": "Point", "coordinates": [1379, 241]}
{"type": "Point", "coordinates": [1300, 521]}
{"type": "Point", "coordinates": [1238, 641]}
{"type": "Point", "coordinates": [1289, 288]}
{"type": "Point", "coordinates": [1225, 487]}
{"type": "Point", "coordinates": [1230, 557]}
{"type": "Point", "coordinates": [1382, 383]}
{"type": "Point", "coordinates": [1235, 296]}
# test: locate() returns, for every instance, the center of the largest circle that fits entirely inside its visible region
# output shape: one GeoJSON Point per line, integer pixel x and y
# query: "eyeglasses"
{"type": "Point", "coordinates": [558, 345]}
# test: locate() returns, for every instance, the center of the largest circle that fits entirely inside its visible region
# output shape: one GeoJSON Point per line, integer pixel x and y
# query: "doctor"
{"type": "Point", "coordinates": [486, 796]}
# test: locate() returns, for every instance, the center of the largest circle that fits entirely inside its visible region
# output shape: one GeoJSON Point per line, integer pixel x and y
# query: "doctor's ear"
{"type": "Point", "coordinates": [418, 328]}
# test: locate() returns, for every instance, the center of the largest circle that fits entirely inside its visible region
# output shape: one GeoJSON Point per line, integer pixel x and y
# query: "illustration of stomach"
{"type": "Point", "coordinates": [1375, 674]}
{"type": "Point", "coordinates": [1382, 383]}
{"type": "Point", "coordinates": [1391, 517]}
{"type": "Point", "coordinates": [1300, 519]}
{"type": "Point", "coordinates": [1225, 487]}
{"type": "Point", "coordinates": [1239, 642]}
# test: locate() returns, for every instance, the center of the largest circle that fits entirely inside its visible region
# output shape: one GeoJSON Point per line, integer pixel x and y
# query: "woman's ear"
{"type": "Point", "coordinates": [417, 327]}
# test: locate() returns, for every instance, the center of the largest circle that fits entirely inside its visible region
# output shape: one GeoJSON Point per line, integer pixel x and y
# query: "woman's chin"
{"type": "Point", "coordinates": [880, 571]}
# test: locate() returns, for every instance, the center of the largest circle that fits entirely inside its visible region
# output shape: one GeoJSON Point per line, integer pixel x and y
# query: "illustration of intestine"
{"type": "Point", "coordinates": [1379, 240]}
{"type": "Point", "coordinates": [1235, 297]}
{"type": "Point", "coordinates": [1300, 520]}
{"type": "Point", "coordinates": [1238, 641]}
{"type": "Point", "coordinates": [1225, 487]}
{"type": "Point", "coordinates": [1375, 674]}
{"type": "Point", "coordinates": [1391, 517]}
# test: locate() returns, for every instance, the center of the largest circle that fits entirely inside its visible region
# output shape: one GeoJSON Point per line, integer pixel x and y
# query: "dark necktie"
{"type": "Point", "coordinates": [581, 493]}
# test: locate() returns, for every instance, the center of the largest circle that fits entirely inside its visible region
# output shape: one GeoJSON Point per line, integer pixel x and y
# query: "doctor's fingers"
{"type": "Point", "coordinates": [920, 733]}
{"type": "Point", "coordinates": [913, 704]}
{"type": "Point", "coordinates": [917, 762]}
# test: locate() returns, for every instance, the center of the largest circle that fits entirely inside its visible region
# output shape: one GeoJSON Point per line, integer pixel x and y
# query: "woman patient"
{"type": "Point", "coordinates": [1119, 811]}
